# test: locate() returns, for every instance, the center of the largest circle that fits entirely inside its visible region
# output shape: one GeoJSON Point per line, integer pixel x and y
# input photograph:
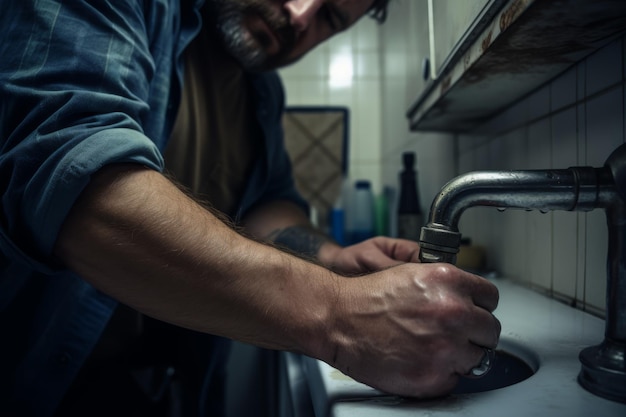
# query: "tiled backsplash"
{"type": "Point", "coordinates": [345, 71]}
{"type": "Point", "coordinates": [576, 119]}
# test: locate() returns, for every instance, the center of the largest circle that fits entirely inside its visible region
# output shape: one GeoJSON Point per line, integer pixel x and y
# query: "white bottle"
{"type": "Point", "coordinates": [338, 213]}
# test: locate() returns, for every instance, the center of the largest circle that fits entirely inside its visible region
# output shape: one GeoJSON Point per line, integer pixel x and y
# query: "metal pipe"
{"type": "Point", "coordinates": [574, 189]}
{"type": "Point", "coordinates": [539, 189]}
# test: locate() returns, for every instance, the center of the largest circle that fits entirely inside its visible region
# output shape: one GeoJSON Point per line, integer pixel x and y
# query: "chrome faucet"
{"type": "Point", "coordinates": [603, 370]}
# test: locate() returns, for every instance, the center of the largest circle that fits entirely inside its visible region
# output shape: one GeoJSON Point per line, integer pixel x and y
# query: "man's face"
{"type": "Point", "coordinates": [267, 34]}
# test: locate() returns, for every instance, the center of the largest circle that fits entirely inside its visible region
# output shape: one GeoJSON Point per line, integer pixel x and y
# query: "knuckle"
{"type": "Point", "coordinates": [443, 270]}
{"type": "Point", "coordinates": [455, 313]}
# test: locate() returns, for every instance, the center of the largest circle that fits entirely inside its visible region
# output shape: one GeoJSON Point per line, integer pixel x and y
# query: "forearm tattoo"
{"type": "Point", "coordinates": [301, 240]}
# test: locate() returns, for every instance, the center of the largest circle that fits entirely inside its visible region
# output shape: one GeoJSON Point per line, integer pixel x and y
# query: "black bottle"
{"type": "Point", "coordinates": [410, 218]}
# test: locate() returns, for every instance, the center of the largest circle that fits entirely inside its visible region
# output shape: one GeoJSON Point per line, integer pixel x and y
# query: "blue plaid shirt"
{"type": "Point", "coordinates": [83, 85]}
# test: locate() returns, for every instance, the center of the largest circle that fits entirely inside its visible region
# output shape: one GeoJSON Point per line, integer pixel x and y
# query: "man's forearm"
{"type": "Point", "coordinates": [136, 237]}
{"type": "Point", "coordinates": [286, 225]}
{"type": "Point", "coordinates": [409, 330]}
{"type": "Point", "coordinates": [303, 240]}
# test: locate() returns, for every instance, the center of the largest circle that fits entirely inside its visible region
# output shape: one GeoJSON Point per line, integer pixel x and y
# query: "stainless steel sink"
{"type": "Point", "coordinates": [513, 363]}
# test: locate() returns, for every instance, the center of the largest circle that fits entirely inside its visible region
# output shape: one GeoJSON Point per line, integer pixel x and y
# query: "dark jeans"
{"type": "Point", "coordinates": [165, 377]}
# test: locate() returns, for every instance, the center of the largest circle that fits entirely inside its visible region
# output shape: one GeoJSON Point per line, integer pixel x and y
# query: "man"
{"type": "Point", "coordinates": [93, 233]}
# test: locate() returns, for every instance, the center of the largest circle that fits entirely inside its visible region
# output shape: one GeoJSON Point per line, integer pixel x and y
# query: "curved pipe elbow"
{"type": "Point", "coordinates": [579, 188]}
{"type": "Point", "coordinates": [566, 189]}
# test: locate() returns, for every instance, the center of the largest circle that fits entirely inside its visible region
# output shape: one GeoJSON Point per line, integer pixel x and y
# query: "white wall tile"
{"type": "Point", "coordinates": [539, 103]}
{"type": "Point", "coordinates": [365, 35]}
{"type": "Point", "coordinates": [581, 244]}
{"type": "Point", "coordinates": [482, 156]}
{"type": "Point", "coordinates": [540, 224]}
{"type": "Point", "coordinates": [395, 132]}
{"type": "Point", "coordinates": [604, 67]}
{"type": "Point", "coordinates": [313, 92]}
{"type": "Point", "coordinates": [435, 163]}
{"type": "Point", "coordinates": [564, 139]}
{"type": "Point", "coordinates": [518, 114]}
{"type": "Point", "coordinates": [540, 144]}
{"type": "Point", "coordinates": [572, 262]}
{"type": "Point", "coordinates": [604, 130]}
{"type": "Point", "coordinates": [341, 43]}
{"type": "Point", "coordinates": [367, 110]}
{"type": "Point", "coordinates": [394, 66]}
{"type": "Point", "coordinates": [312, 65]}
{"type": "Point", "coordinates": [396, 28]}
{"type": "Point", "coordinates": [367, 65]}
{"type": "Point", "coordinates": [581, 260]}
{"type": "Point", "coordinates": [516, 145]}
{"type": "Point", "coordinates": [509, 118]}
{"type": "Point", "coordinates": [624, 57]}
{"type": "Point", "coordinates": [595, 259]}
{"type": "Point", "coordinates": [605, 126]}
{"type": "Point", "coordinates": [581, 132]}
{"type": "Point", "coordinates": [417, 48]}
{"type": "Point", "coordinates": [341, 69]}
{"type": "Point", "coordinates": [563, 89]}
{"type": "Point", "coordinates": [466, 161]}
{"type": "Point", "coordinates": [368, 171]}
{"type": "Point", "coordinates": [308, 82]}
{"type": "Point", "coordinates": [497, 149]}
{"type": "Point", "coordinates": [344, 96]}
{"type": "Point", "coordinates": [292, 92]}
{"type": "Point", "coordinates": [581, 80]}
{"type": "Point", "coordinates": [564, 254]}
{"type": "Point", "coordinates": [564, 224]}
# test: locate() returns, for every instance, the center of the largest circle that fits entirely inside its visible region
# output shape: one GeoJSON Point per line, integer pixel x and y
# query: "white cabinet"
{"type": "Point", "coordinates": [487, 54]}
{"type": "Point", "coordinates": [450, 22]}
{"type": "Point", "coordinates": [418, 57]}
{"type": "Point", "coordinates": [438, 31]}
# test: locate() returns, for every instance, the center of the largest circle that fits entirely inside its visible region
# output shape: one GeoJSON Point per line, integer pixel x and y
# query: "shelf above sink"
{"type": "Point", "coordinates": [526, 44]}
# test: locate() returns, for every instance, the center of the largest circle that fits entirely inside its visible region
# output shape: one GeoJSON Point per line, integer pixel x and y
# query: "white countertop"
{"type": "Point", "coordinates": [543, 331]}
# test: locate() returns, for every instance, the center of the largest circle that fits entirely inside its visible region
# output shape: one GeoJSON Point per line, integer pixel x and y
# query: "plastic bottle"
{"type": "Point", "coordinates": [338, 216]}
{"type": "Point", "coordinates": [361, 213]}
{"type": "Point", "coordinates": [392, 200]}
{"type": "Point", "coordinates": [410, 217]}
{"type": "Point", "coordinates": [381, 214]}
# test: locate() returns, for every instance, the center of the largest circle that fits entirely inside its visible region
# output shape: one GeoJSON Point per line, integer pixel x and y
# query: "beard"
{"type": "Point", "coordinates": [250, 47]}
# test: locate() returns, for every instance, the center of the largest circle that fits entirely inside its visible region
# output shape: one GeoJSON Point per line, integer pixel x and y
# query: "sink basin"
{"type": "Point", "coordinates": [512, 364]}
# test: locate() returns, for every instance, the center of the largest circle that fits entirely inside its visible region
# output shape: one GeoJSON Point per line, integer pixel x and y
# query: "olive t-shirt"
{"type": "Point", "coordinates": [215, 136]}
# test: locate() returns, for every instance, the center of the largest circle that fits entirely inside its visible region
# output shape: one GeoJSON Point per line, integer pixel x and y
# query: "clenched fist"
{"type": "Point", "coordinates": [412, 329]}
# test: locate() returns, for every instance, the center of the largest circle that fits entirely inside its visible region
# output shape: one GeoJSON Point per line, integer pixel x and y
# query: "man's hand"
{"type": "Point", "coordinates": [368, 256]}
{"type": "Point", "coordinates": [413, 329]}
{"type": "Point", "coordinates": [286, 224]}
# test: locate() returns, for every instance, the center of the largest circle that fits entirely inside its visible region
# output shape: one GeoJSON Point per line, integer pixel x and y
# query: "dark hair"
{"type": "Point", "coordinates": [378, 11]}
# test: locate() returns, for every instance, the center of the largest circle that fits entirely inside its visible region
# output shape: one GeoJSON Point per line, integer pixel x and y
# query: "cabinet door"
{"type": "Point", "coordinates": [450, 21]}
{"type": "Point", "coordinates": [418, 44]}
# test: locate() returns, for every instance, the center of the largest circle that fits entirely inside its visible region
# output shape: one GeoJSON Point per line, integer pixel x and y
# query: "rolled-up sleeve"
{"type": "Point", "coordinates": [82, 85]}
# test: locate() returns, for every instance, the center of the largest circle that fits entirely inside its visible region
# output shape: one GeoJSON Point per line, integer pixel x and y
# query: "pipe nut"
{"type": "Point", "coordinates": [439, 244]}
